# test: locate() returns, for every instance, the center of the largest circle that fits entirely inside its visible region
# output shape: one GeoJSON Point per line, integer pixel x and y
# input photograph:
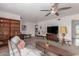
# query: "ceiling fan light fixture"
{"type": "Point", "coordinates": [53, 11]}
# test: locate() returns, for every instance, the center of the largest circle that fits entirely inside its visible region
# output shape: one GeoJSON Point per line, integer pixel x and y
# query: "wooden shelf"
{"type": "Point", "coordinates": [8, 29]}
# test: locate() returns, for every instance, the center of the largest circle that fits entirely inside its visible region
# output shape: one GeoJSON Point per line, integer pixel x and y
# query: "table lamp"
{"type": "Point", "coordinates": [63, 31]}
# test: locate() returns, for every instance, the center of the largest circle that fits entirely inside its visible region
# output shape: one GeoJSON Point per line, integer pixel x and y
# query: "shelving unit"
{"type": "Point", "coordinates": [36, 30]}
{"type": "Point", "coordinates": [8, 29]}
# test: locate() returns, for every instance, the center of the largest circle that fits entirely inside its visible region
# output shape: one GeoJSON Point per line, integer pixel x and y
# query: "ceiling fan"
{"type": "Point", "coordinates": [55, 10]}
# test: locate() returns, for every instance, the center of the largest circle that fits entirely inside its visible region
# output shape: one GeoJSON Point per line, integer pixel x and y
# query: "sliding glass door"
{"type": "Point", "coordinates": [75, 32]}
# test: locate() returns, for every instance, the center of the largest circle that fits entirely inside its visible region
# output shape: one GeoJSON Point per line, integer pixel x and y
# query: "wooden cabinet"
{"type": "Point", "coordinates": [4, 31]}
{"type": "Point", "coordinates": [8, 29]}
{"type": "Point", "coordinates": [15, 27]}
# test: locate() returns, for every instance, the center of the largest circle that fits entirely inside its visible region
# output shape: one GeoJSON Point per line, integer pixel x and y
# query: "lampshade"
{"type": "Point", "coordinates": [63, 29]}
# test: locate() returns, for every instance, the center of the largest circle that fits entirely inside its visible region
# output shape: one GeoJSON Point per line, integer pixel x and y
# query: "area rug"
{"type": "Point", "coordinates": [4, 51]}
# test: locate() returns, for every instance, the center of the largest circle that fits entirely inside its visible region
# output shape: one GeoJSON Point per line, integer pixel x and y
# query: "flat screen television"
{"type": "Point", "coordinates": [52, 29]}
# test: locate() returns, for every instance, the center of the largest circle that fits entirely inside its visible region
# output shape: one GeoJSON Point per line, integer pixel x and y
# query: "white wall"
{"type": "Point", "coordinates": [65, 21]}
{"type": "Point", "coordinates": [9, 15]}
{"type": "Point", "coordinates": [30, 28]}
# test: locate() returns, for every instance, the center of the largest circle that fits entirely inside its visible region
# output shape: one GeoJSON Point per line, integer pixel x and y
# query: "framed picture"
{"type": "Point", "coordinates": [24, 27]}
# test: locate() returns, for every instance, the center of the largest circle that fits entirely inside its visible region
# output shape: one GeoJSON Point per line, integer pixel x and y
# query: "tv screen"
{"type": "Point", "coordinates": [52, 29]}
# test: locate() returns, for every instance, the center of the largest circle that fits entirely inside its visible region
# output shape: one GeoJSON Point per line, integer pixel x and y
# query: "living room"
{"type": "Point", "coordinates": [34, 27]}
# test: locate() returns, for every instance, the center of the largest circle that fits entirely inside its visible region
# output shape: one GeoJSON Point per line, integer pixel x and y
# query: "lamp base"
{"type": "Point", "coordinates": [63, 39]}
{"type": "Point", "coordinates": [63, 42]}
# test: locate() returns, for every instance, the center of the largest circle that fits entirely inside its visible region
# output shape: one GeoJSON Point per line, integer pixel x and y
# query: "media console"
{"type": "Point", "coordinates": [52, 36]}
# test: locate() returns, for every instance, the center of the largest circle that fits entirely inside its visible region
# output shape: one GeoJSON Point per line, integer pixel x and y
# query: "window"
{"type": "Point", "coordinates": [77, 34]}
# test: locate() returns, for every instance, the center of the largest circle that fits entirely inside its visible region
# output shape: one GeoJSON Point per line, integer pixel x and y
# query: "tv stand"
{"type": "Point", "coordinates": [52, 36]}
{"type": "Point", "coordinates": [41, 36]}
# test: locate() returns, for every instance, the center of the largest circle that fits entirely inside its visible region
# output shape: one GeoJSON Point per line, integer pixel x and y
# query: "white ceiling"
{"type": "Point", "coordinates": [31, 11]}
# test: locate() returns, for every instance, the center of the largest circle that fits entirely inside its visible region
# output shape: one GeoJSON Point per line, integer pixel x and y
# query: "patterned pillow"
{"type": "Point", "coordinates": [21, 44]}
{"type": "Point", "coordinates": [15, 39]}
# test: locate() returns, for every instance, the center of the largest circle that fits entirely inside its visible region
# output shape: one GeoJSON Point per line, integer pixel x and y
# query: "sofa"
{"type": "Point", "coordinates": [15, 50]}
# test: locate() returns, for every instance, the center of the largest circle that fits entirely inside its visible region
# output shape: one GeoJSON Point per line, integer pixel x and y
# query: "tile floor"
{"type": "Point", "coordinates": [4, 51]}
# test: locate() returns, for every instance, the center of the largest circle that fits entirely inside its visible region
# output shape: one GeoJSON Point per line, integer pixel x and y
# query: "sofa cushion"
{"type": "Point", "coordinates": [15, 39]}
{"type": "Point", "coordinates": [14, 42]}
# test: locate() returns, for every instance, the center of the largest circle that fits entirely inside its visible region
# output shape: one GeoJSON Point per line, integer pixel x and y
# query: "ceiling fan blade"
{"type": "Point", "coordinates": [56, 4]}
{"type": "Point", "coordinates": [64, 8]}
{"type": "Point", "coordinates": [57, 14]}
{"type": "Point", "coordinates": [45, 10]}
{"type": "Point", "coordinates": [47, 14]}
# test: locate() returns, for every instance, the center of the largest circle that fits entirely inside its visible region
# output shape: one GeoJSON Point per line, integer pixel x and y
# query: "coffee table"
{"type": "Point", "coordinates": [53, 49]}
